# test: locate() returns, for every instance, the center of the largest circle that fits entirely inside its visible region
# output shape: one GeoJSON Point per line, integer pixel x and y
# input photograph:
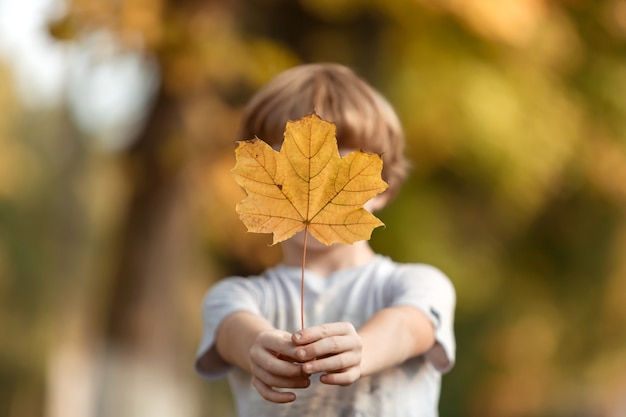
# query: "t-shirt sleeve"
{"type": "Point", "coordinates": [226, 297]}
{"type": "Point", "coordinates": [432, 292]}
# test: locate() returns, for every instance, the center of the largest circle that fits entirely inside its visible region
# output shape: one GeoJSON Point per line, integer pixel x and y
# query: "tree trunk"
{"type": "Point", "coordinates": [144, 337]}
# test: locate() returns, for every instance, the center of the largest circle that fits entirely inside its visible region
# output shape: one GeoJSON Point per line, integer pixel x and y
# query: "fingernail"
{"type": "Point", "coordinates": [307, 367]}
{"type": "Point", "coordinates": [301, 353]}
{"type": "Point", "coordinates": [297, 336]}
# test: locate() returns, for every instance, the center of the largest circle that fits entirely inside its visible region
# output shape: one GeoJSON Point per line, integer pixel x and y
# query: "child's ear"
{"type": "Point", "coordinates": [377, 202]}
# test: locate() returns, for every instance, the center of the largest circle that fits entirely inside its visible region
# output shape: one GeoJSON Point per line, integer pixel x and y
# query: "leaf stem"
{"type": "Point", "coordinates": [306, 232]}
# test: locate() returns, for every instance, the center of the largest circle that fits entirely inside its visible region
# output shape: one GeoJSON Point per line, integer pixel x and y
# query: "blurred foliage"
{"type": "Point", "coordinates": [516, 123]}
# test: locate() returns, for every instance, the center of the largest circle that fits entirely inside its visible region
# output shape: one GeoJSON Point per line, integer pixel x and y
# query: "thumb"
{"type": "Point", "coordinates": [297, 338]}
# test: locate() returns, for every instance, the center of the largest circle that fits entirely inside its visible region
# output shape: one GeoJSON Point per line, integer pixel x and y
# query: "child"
{"type": "Point", "coordinates": [381, 332]}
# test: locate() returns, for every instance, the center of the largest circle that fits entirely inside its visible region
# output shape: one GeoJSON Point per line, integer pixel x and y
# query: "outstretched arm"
{"type": "Point", "coordinates": [394, 335]}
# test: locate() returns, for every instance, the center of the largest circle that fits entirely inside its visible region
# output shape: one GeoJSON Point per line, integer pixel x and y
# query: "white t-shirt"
{"type": "Point", "coordinates": [353, 295]}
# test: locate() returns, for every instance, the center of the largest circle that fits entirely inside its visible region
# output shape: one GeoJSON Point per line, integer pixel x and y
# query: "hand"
{"type": "Point", "coordinates": [334, 349]}
{"type": "Point", "coordinates": [272, 366]}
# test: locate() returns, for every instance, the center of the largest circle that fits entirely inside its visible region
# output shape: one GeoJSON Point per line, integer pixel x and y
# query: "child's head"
{"type": "Point", "coordinates": [363, 118]}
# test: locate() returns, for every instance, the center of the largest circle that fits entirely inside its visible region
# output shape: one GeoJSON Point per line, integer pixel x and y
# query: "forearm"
{"type": "Point", "coordinates": [392, 336]}
{"type": "Point", "coordinates": [237, 334]}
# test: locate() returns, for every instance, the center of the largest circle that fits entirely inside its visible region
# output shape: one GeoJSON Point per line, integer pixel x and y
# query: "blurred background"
{"type": "Point", "coordinates": [117, 121]}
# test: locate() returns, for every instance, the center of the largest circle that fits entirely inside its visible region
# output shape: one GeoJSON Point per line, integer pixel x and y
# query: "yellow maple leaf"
{"type": "Point", "coordinates": [308, 185]}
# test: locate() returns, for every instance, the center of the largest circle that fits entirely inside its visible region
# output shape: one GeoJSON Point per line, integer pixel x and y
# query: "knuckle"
{"type": "Point", "coordinates": [359, 344]}
{"type": "Point", "coordinates": [349, 362]}
{"type": "Point", "coordinates": [341, 362]}
{"type": "Point", "coordinates": [265, 363]}
{"type": "Point", "coordinates": [348, 327]}
{"type": "Point", "coordinates": [351, 376]}
{"type": "Point", "coordinates": [253, 350]}
{"type": "Point", "coordinates": [312, 351]}
{"type": "Point", "coordinates": [261, 336]}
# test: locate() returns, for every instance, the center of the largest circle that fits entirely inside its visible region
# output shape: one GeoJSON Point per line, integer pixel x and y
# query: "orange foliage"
{"type": "Point", "coordinates": [307, 185]}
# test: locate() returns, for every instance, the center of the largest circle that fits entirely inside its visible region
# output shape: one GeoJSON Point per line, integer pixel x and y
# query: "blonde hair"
{"type": "Point", "coordinates": [364, 119]}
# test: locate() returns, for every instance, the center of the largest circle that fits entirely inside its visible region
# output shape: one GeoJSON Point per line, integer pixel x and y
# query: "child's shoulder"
{"type": "Point", "coordinates": [422, 272]}
{"type": "Point", "coordinates": [237, 282]}
{"type": "Point", "coordinates": [421, 269]}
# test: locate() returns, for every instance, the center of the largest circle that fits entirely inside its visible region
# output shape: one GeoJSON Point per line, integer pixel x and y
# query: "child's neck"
{"type": "Point", "coordinates": [324, 260]}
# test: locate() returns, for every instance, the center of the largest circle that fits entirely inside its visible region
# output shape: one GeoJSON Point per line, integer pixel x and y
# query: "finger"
{"type": "Point", "coordinates": [284, 357]}
{"type": "Point", "coordinates": [328, 346]}
{"type": "Point", "coordinates": [299, 381]}
{"type": "Point", "coordinates": [343, 378]}
{"type": "Point", "coordinates": [270, 394]}
{"type": "Point", "coordinates": [315, 333]}
{"type": "Point", "coordinates": [273, 364]}
{"type": "Point", "coordinates": [334, 363]}
{"type": "Point", "coordinates": [280, 343]}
